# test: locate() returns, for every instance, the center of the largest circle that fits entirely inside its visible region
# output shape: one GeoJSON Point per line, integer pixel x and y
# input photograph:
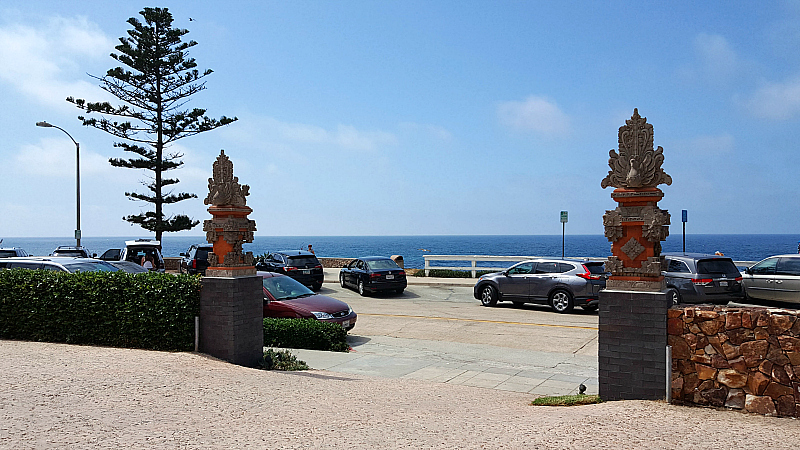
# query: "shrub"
{"type": "Point", "coordinates": [447, 273]}
{"type": "Point", "coordinates": [148, 310]}
{"type": "Point", "coordinates": [310, 334]}
{"type": "Point", "coordinates": [567, 400]}
{"type": "Point", "coordinates": [281, 360]}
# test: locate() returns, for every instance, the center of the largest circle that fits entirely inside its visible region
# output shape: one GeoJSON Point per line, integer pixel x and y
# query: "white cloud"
{"type": "Point", "coordinates": [716, 57]}
{"type": "Point", "coordinates": [711, 145]}
{"type": "Point", "coordinates": [777, 100]}
{"type": "Point", "coordinates": [435, 131]}
{"type": "Point", "coordinates": [54, 157]}
{"type": "Point", "coordinates": [535, 114]}
{"type": "Point", "coordinates": [270, 133]}
{"type": "Point", "coordinates": [46, 62]}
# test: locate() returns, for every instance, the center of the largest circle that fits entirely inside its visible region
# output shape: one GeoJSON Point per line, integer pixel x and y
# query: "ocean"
{"type": "Point", "coordinates": [740, 247]}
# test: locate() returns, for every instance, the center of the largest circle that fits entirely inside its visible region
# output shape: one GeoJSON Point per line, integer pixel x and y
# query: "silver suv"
{"type": "Point", "coordinates": [775, 278]}
{"type": "Point", "coordinates": [57, 264]}
{"type": "Point", "coordinates": [558, 283]}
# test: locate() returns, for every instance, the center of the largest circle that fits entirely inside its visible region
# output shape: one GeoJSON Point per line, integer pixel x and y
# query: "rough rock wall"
{"type": "Point", "coordinates": [740, 358]}
{"type": "Point", "coordinates": [334, 263]}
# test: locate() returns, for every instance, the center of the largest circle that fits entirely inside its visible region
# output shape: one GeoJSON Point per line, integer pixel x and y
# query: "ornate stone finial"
{"type": "Point", "coordinates": [230, 227]}
{"type": "Point", "coordinates": [224, 188]}
{"type": "Point", "coordinates": [637, 165]}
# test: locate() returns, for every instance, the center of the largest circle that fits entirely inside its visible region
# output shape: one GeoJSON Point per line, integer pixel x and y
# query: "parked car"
{"type": "Point", "coordinates": [700, 278]}
{"type": "Point", "coordinates": [285, 297]}
{"type": "Point", "coordinates": [195, 259]}
{"type": "Point", "coordinates": [136, 251]}
{"type": "Point", "coordinates": [301, 265]}
{"type": "Point", "coordinates": [69, 264]}
{"type": "Point", "coordinates": [776, 278]}
{"type": "Point", "coordinates": [127, 266]}
{"type": "Point", "coordinates": [558, 283]}
{"type": "Point", "coordinates": [373, 274]}
{"type": "Point", "coordinates": [10, 252]}
{"type": "Point", "coordinates": [71, 250]}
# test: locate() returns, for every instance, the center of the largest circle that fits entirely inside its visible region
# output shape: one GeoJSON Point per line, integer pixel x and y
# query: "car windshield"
{"type": "Point", "coordinates": [717, 266]}
{"type": "Point", "coordinates": [303, 261]}
{"type": "Point", "coordinates": [89, 266]}
{"type": "Point", "coordinates": [285, 288]}
{"type": "Point", "coordinates": [77, 253]}
{"type": "Point", "coordinates": [7, 253]}
{"type": "Point", "coordinates": [202, 253]}
{"type": "Point", "coordinates": [382, 264]}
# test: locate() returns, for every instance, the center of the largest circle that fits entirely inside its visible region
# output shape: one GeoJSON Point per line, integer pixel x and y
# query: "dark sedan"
{"type": "Point", "coordinates": [301, 265]}
{"type": "Point", "coordinates": [373, 274]}
{"type": "Point", "coordinates": [286, 298]}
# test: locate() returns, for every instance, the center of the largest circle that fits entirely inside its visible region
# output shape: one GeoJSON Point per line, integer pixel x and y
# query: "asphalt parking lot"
{"type": "Point", "coordinates": [437, 331]}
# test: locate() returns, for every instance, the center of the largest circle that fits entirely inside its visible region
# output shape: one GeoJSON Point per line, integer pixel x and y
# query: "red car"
{"type": "Point", "coordinates": [285, 297]}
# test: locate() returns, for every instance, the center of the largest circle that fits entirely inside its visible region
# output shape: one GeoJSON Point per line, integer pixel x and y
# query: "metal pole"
{"type": "Point", "coordinates": [563, 227]}
{"type": "Point", "coordinates": [684, 237]}
{"type": "Point", "coordinates": [78, 191]}
{"type": "Point", "coordinates": [196, 333]}
{"type": "Point", "coordinates": [669, 374]}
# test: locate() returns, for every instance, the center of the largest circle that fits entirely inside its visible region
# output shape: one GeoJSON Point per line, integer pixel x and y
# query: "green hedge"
{"type": "Point", "coordinates": [309, 334]}
{"type": "Point", "coordinates": [149, 310]}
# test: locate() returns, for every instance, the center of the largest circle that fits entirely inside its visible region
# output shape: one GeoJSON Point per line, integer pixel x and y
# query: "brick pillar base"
{"type": "Point", "coordinates": [231, 319]}
{"type": "Point", "coordinates": [632, 342]}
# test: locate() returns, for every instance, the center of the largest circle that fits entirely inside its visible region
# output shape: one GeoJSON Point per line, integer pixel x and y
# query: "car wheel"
{"type": "Point", "coordinates": [488, 295]}
{"type": "Point", "coordinates": [361, 291]}
{"type": "Point", "coordinates": [561, 301]}
{"type": "Point", "coordinates": [399, 291]}
{"type": "Point", "coordinates": [673, 297]}
{"type": "Point", "coordinates": [316, 286]}
{"type": "Point", "coordinates": [341, 280]}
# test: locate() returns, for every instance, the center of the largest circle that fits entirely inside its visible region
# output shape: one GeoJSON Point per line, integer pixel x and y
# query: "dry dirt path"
{"type": "Point", "coordinates": [62, 396]}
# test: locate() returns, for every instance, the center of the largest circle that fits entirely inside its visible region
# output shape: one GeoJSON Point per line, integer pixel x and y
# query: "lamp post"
{"type": "Point", "coordinates": [77, 179]}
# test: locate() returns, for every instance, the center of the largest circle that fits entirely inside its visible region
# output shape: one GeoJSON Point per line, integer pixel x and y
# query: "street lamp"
{"type": "Point", "coordinates": [77, 178]}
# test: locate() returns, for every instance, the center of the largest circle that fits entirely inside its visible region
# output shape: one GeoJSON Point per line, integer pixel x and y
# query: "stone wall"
{"type": "Point", "coordinates": [334, 263]}
{"type": "Point", "coordinates": [741, 358]}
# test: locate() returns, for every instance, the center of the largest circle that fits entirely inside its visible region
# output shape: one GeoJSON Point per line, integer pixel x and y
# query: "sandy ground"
{"type": "Point", "coordinates": [63, 396]}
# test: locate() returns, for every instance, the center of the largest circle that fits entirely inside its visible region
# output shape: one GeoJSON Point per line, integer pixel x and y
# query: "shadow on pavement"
{"type": "Point", "coordinates": [356, 341]}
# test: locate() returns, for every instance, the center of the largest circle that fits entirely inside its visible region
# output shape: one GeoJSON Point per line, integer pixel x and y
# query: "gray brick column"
{"type": "Point", "coordinates": [231, 319]}
{"type": "Point", "coordinates": [632, 342]}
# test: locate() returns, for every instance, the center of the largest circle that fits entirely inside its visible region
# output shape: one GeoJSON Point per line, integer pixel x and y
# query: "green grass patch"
{"type": "Point", "coordinates": [281, 360]}
{"type": "Point", "coordinates": [567, 400]}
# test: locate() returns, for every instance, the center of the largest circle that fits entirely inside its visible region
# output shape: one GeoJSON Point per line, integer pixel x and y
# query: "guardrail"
{"type": "Point", "coordinates": [473, 268]}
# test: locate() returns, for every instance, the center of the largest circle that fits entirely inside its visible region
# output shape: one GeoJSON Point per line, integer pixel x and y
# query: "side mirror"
{"type": "Point", "coordinates": [748, 271]}
{"type": "Point", "coordinates": [94, 255]}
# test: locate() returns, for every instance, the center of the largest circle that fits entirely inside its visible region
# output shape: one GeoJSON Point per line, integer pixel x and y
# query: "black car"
{"type": "Point", "coordinates": [700, 278]}
{"type": "Point", "coordinates": [301, 265]}
{"type": "Point", "coordinates": [373, 274]}
{"type": "Point", "coordinates": [195, 259]}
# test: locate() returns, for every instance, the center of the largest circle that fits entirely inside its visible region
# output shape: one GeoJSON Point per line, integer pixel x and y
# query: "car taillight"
{"type": "Point", "coordinates": [702, 281]}
{"type": "Point", "coordinates": [289, 268]}
{"type": "Point", "coordinates": [374, 275]}
{"type": "Point", "coordinates": [318, 266]}
{"type": "Point", "coordinates": [588, 275]}
{"type": "Point", "coordinates": [194, 264]}
{"type": "Point", "coordinates": [737, 279]}
{"type": "Point", "coordinates": [402, 272]}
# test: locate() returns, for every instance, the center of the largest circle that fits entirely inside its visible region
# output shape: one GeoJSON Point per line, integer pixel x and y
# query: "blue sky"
{"type": "Point", "coordinates": [421, 117]}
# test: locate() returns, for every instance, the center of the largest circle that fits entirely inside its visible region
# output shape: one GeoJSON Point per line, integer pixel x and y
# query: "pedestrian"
{"type": "Point", "coordinates": [148, 262]}
{"type": "Point", "coordinates": [310, 250]}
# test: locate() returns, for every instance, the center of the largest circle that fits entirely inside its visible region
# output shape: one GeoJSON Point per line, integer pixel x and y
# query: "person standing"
{"type": "Point", "coordinates": [310, 250]}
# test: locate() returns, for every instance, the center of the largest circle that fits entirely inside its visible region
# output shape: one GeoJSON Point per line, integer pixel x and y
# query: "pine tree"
{"type": "Point", "coordinates": [159, 80]}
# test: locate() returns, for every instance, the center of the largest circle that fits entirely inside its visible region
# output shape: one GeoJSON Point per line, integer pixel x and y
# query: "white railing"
{"type": "Point", "coordinates": [474, 268]}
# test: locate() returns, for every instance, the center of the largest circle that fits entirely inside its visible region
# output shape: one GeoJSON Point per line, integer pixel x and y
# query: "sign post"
{"type": "Point", "coordinates": [564, 218]}
{"type": "Point", "coordinates": [684, 214]}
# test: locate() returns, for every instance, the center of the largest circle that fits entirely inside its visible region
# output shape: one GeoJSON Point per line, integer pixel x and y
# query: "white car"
{"type": "Point", "coordinates": [136, 251]}
{"type": "Point", "coordinates": [776, 278]}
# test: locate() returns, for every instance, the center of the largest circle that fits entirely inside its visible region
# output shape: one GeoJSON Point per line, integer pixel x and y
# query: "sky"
{"type": "Point", "coordinates": [419, 117]}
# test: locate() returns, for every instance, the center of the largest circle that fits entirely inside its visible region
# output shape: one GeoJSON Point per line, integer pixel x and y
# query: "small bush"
{"type": "Point", "coordinates": [446, 273]}
{"type": "Point", "coordinates": [567, 400]}
{"type": "Point", "coordinates": [309, 334]}
{"type": "Point", "coordinates": [281, 360]}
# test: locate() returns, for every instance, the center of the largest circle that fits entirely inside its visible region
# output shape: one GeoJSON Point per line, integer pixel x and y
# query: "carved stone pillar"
{"type": "Point", "coordinates": [230, 227]}
{"type": "Point", "coordinates": [637, 226]}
